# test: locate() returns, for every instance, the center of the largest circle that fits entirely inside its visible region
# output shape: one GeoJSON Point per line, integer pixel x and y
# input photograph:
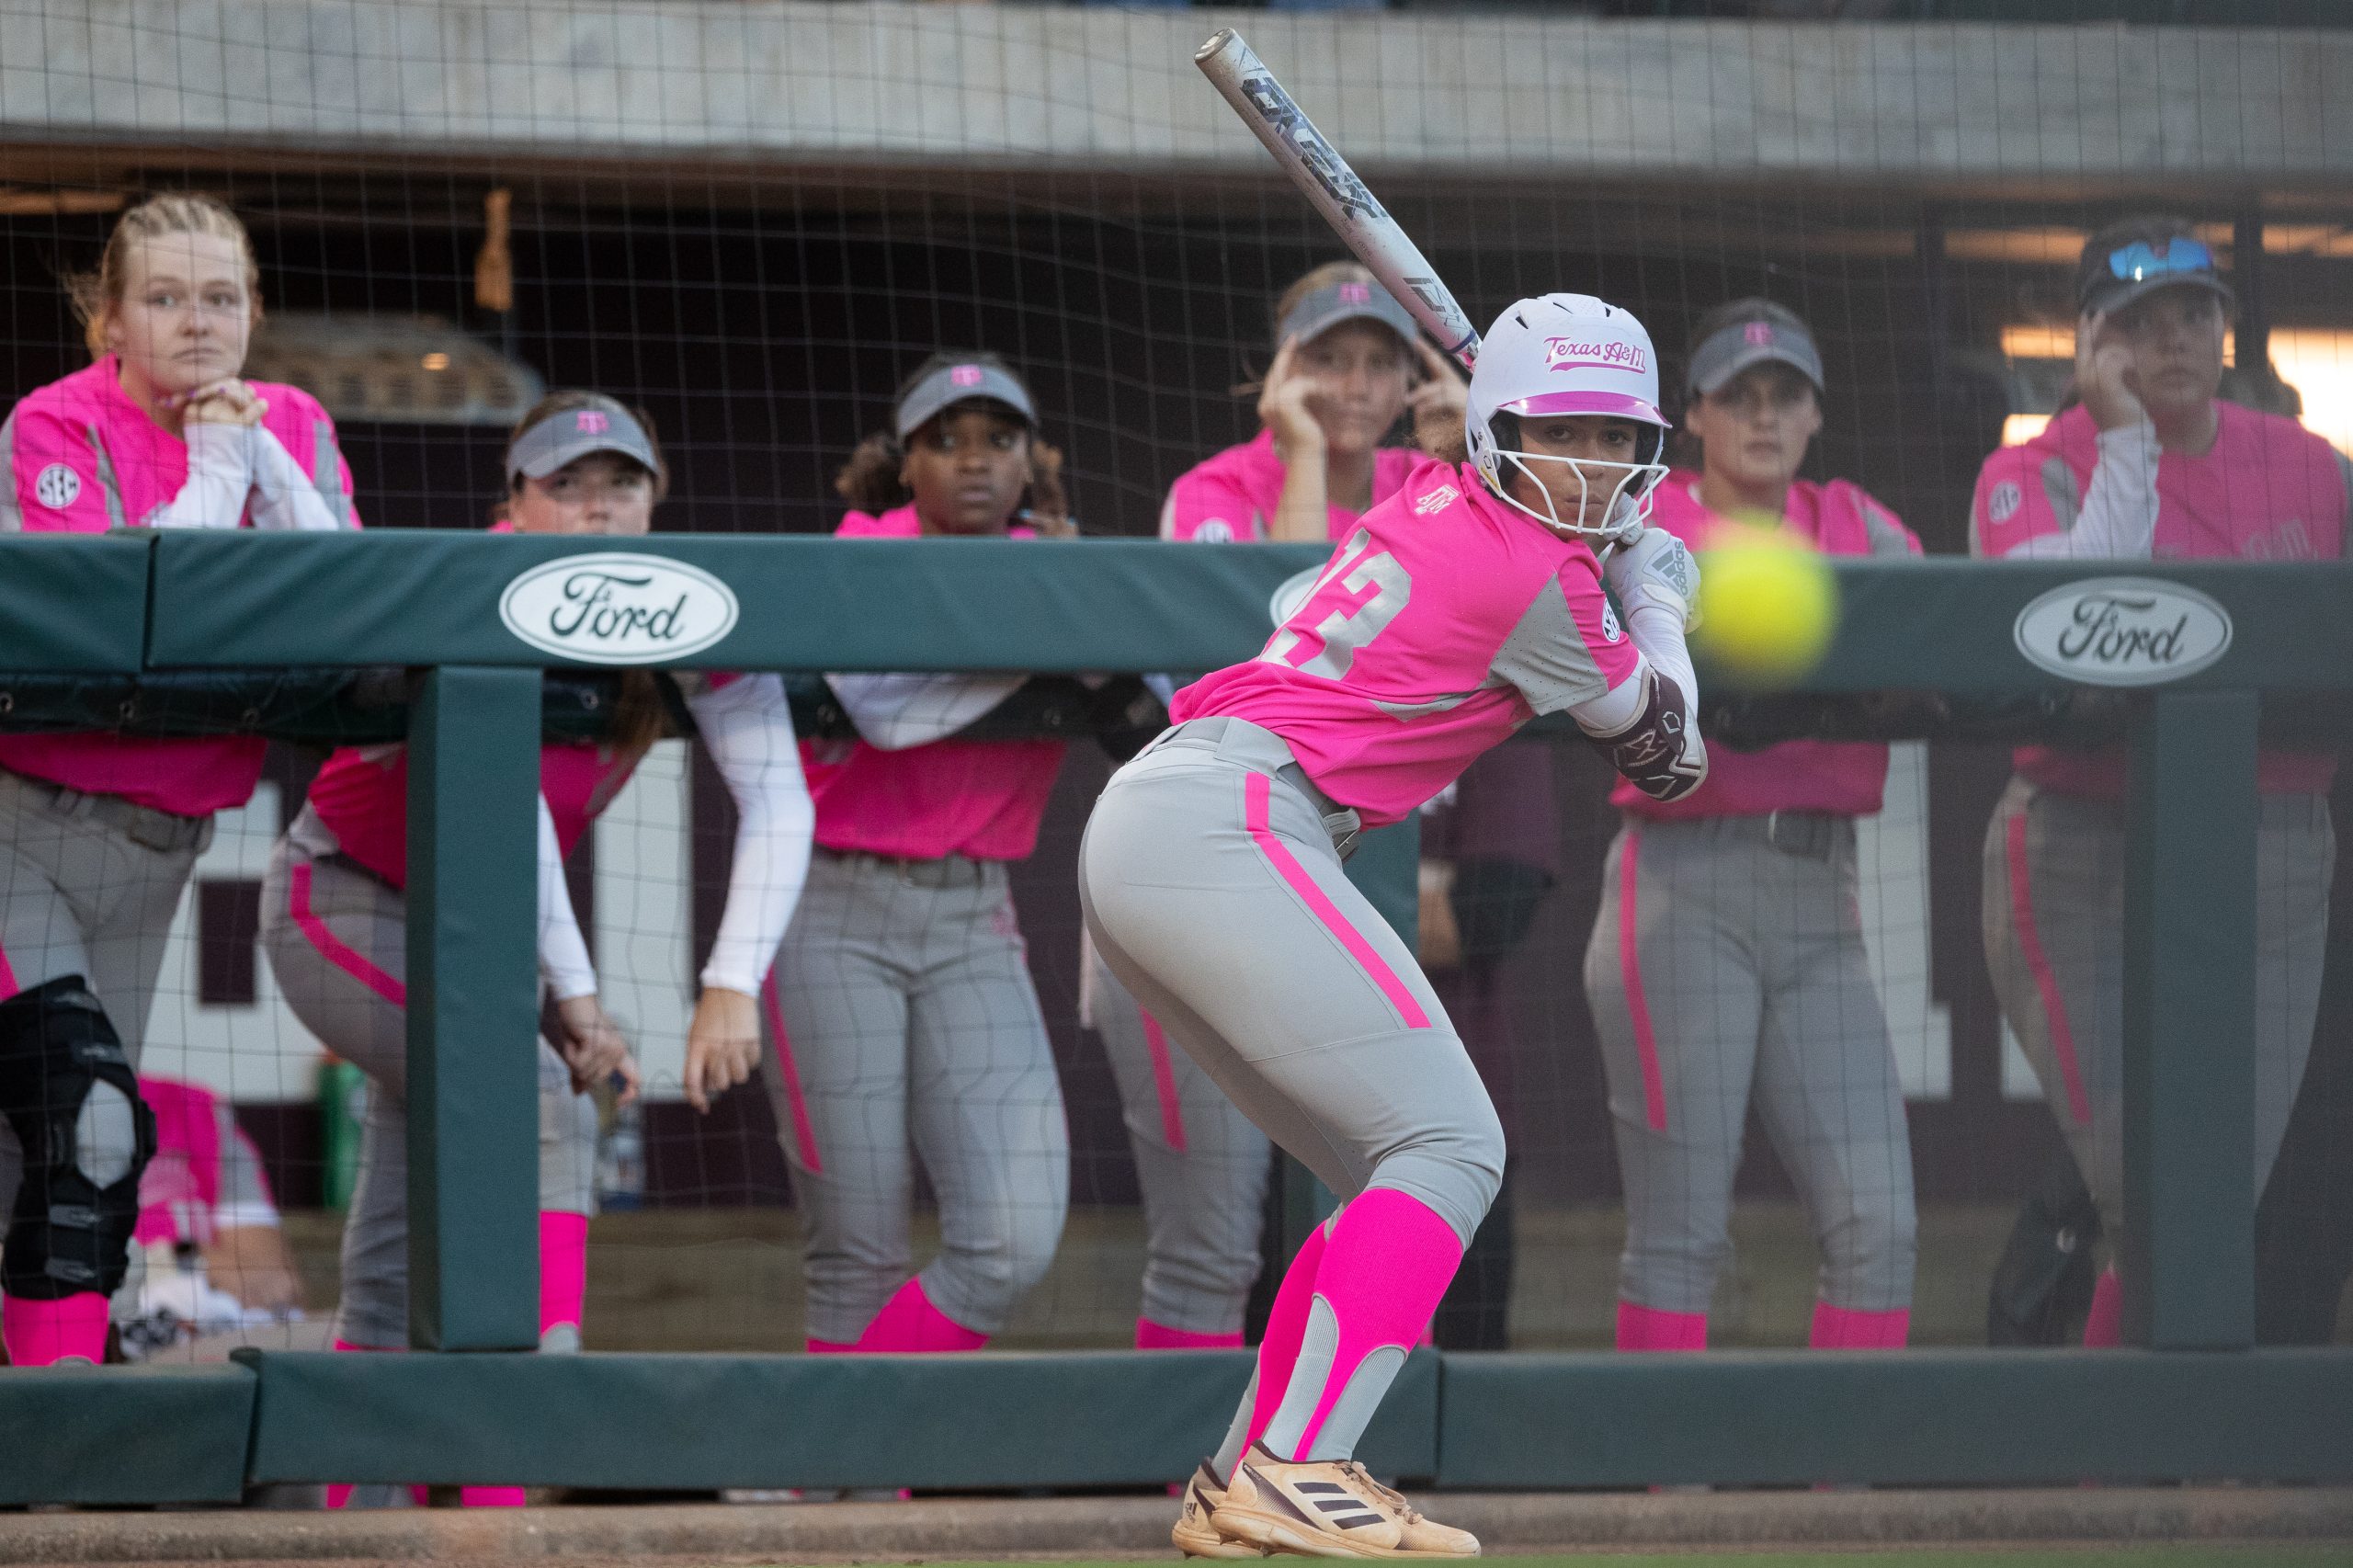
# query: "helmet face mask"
{"type": "Point", "coordinates": [1566, 355]}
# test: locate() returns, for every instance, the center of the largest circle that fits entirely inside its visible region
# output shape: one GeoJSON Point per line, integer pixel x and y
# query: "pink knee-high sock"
{"type": "Point", "coordinates": [1845, 1328]}
{"type": "Point", "coordinates": [1151, 1336]}
{"type": "Point", "coordinates": [2104, 1328]}
{"type": "Point", "coordinates": [563, 1267]}
{"type": "Point", "coordinates": [42, 1333]}
{"type": "Point", "coordinates": [491, 1497]}
{"type": "Point", "coordinates": [1387, 1266]}
{"type": "Point", "coordinates": [1648, 1328]}
{"type": "Point", "coordinates": [340, 1493]}
{"type": "Point", "coordinates": [1285, 1327]}
{"type": "Point", "coordinates": [908, 1322]}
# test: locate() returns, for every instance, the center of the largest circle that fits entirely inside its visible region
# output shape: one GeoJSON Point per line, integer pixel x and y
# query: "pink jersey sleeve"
{"type": "Point", "coordinates": [2020, 492]}
{"type": "Point", "coordinates": [1207, 507]}
{"type": "Point", "coordinates": [53, 479]}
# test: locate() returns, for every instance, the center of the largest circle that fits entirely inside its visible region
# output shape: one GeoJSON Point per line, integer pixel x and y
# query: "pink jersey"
{"type": "Point", "coordinates": [1444, 623]}
{"type": "Point", "coordinates": [979, 799]}
{"type": "Point", "coordinates": [361, 795]}
{"type": "Point", "coordinates": [1848, 779]}
{"type": "Point", "coordinates": [80, 457]}
{"type": "Point", "coordinates": [183, 1191]}
{"type": "Point", "coordinates": [2267, 490]}
{"type": "Point", "coordinates": [1235, 495]}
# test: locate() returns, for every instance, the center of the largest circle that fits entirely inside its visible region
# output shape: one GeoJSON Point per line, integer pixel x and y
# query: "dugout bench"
{"type": "Point", "coordinates": [2195, 1400]}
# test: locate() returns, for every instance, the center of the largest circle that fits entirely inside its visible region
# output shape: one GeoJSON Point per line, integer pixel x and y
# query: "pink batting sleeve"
{"type": "Point", "coordinates": [2013, 502]}
{"type": "Point", "coordinates": [53, 484]}
{"type": "Point", "coordinates": [1211, 509]}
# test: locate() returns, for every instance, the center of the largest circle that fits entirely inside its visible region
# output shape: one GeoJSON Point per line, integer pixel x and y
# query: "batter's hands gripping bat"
{"type": "Point", "coordinates": [1325, 177]}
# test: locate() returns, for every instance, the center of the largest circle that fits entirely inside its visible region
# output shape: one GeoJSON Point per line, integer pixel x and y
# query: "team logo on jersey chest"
{"type": "Point", "coordinates": [57, 487]}
{"type": "Point", "coordinates": [1438, 500]}
{"type": "Point", "coordinates": [617, 608]}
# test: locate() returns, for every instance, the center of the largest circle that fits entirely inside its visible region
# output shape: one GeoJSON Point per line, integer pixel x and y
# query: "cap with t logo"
{"type": "Point", "coordinates": [601, 425]}
{"type": "Point", "coordinates": [966, 380]}
{"type": "Point", "coordinates": [1759, 332]}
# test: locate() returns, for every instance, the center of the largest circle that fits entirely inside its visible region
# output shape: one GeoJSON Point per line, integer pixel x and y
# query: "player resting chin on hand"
{"type": "Point", "coordinates": [1212, 876]}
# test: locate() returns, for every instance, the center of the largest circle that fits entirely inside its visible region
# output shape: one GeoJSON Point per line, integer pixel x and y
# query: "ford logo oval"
{"type": "Point", "coordinates": [2122, 632]}
{"type": "Point", "coordinates": [617, 608]}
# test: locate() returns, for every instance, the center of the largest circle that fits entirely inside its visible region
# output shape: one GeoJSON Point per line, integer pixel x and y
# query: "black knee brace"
{"type": "Point", "coordinates": [68, 1234]}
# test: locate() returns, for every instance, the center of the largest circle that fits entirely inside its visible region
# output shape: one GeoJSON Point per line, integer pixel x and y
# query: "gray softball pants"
{"type": "Point", "coordinates": [1212, 888]}
{"type": "Point", "coordinates": [2053, 917]}
{"type": "Point", "coordinates": [338, 940]}
{"type": "Point", "coordinates": [1724, 968]}
{"type": "Point", "coordinates": [1203, 1167]}
{"type": "Point", "coordinates": [88, 886]}
{"type": "Point", "coordinates": [905, 1025]}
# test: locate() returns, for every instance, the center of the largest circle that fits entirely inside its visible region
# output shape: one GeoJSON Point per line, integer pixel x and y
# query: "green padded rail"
{"type": "Point", "coordinates": [1071, 1418]}
{"type": "Point", "coordinates": [79, 1434]}
{"type": "Point", "coordinates": [73, 602]}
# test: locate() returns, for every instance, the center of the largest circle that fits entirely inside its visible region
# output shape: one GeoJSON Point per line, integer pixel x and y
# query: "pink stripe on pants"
{"type": "Point", "coordinates": [1256, 790]}
{"type": "Point", "coordinates": [1629, 968]}
{"type": "Point", "coordinates": [2054, 1007]}
{"type": "Point", "coordinates": [332, 948]}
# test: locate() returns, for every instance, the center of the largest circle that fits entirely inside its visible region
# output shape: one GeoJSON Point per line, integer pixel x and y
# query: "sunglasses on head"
{"type": "Point", "coordinates": [2140, 260]}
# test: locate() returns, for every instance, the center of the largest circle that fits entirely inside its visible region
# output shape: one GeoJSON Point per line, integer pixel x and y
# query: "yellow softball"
{"type": "Point", "coordinates": [1767, 604]}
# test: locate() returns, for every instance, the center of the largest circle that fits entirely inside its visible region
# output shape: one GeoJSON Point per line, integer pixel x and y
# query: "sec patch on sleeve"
{"type": "Point", "coordinates": [2003, 501]}
{"type": "Point", "coordinates": [57, 487]}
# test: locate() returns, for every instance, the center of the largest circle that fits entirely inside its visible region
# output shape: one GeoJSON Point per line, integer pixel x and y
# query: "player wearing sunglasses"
{"type": "Point", "coordinates": [2150, 464]}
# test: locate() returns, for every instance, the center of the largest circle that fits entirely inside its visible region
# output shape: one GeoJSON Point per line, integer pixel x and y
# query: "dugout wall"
{"type": "Point", "coordinates": [2196, 1401]}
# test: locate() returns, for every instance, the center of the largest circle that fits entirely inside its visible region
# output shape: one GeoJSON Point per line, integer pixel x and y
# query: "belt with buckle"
{"type": "Point", "coordinates": [150, 826]}
{"type": "Point", "coordinates": [1813, 836]}
{"type": "Point", "coordinates": [1343, 825]}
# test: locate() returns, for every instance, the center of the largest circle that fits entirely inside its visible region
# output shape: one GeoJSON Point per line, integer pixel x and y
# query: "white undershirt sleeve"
{"type": "Point", "coordinates": [2118, 520]}
{"type": "Point", "coordinates": [219, 475]}
{"type": "Point", "coordinates": [563, 952]}
{"type": "Point", "coordinates": [1656, 631]}
{"type": "Point", "coordinates": [895, 711]}
{"type": "Point", "coordinates": [748, 726]}
{"type": "Point", "coordinates": [284, 497]}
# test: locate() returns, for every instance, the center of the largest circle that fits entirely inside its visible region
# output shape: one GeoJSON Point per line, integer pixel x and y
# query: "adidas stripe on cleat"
{"type": "Point", "coordinates": [1327, 1508]}
{"type": "Point", "coordinates": [1193, 1534]}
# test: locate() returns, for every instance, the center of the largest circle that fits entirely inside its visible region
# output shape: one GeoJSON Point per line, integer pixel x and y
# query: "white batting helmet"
{"type": "Point", "coordinates": [1568, 354]}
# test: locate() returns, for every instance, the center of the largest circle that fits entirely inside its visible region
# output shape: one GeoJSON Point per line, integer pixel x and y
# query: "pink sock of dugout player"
{"type": "Point", "coordinates": [908, 1322]}
{"type": "Point", "coordinates": [1387, 1265]}
{"type": "Point", "coordinates": [564, 1269]}
{"type": "Point", "coordinates": [1151, 1336]}
{"type": "Point", "coordinates": [42, 1333]}
{"type": "Point", "coordinates": [1648, 1328]}
{"type": "Point", "coordinates": [2104, 1328]}
{"type": "Point", "coordinates": [1846, 1328]}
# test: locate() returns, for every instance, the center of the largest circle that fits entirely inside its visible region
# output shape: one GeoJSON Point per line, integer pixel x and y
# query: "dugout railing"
{"type": "Point", "coordinates": [2194, 1398]}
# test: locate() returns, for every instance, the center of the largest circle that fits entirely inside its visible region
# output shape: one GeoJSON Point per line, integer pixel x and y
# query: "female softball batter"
{"type": "Point", "coordinates": [1727, 959]}
{"type": "Point", "coordinates": [2150, 464]}
{"type": "Point", "coordinates": [335, 912]}
{"type": "Point", "coordinates": [1344, 374]}
{"type": "Point", "coordinates": [1211, 881]}
{"type": "Point", "coordinates": [905, 1020]}
{"type": "Point", "coordinates": [98, 832]}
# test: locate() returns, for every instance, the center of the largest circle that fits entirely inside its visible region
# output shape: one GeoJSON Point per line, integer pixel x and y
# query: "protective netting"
{"type": "Point", "coordinates": [753, 223]}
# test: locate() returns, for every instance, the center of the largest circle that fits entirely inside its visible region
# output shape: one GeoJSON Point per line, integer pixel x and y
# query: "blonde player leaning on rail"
{"type": "Point", "coordinates": [1727, 959]}
{"type": "Point", "coordinates": [334, 906]}
{"type": "Point", "coordinates": [1348, 364]}
{"type": "Point", "coordinates": [906, 1026]}
{"type": "Point", "coordinates": [1212, 879]}
{"type": "Point", "coordinates": [2150, 464]}
{"type": "Point", "coordinates": [98, 832]}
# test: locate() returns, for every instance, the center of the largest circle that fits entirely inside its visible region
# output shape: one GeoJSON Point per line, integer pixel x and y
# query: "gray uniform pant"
{"type": "Point", "coordinates": [1212, 888]}
{"type": "Point", "coordinates": [89, 885]}
{"type": "Point", "coordinates": [1723, 968]}
{"type": "Point", "coordinates": [1203, 1167]}
{"type": "Point", "coordinates": [337, 939]}
{"type": "Point", "coordinates": [2055, 939]}
{"type": "Point", "coordinates": [908, 1026]}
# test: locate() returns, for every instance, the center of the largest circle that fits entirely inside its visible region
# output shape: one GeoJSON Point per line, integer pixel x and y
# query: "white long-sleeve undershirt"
{"type": "Point", "coordinates": [563, 952]}
{"type": "Point", "coordinates": [2119, 517]}
{"type": "Point", "coordinates": [895, 711]}
{"type": "Point", "coordinates": [1656, 631]}
{"type": "Point", "coordinates": [748, 726]}
{"type": "Point", "coordinates": [220, 474]}
{"type": "Point", "coordinates": [285, 498]}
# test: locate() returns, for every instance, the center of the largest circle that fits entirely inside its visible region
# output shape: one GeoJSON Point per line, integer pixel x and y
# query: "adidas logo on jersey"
{"type": "Point", "coordinates": [1438, 500]}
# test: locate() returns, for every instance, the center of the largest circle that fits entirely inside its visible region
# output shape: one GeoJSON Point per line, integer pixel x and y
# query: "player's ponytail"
{"type": "Point", "coordinates": [870, 481]}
